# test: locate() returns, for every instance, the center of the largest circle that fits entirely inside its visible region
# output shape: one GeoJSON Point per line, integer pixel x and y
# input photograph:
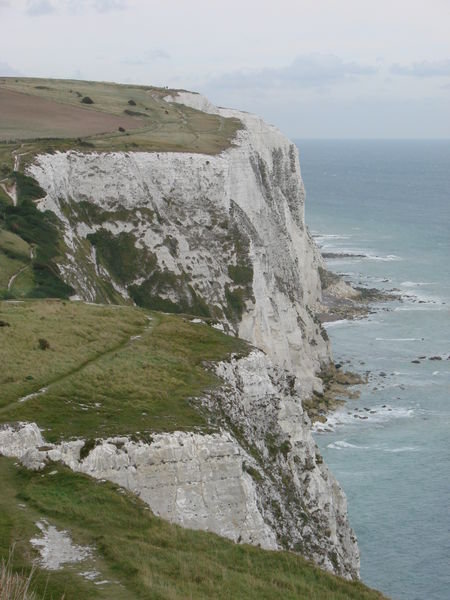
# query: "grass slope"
{"type": "Point", "coordinates": [108, 369]}
{"type": "Point", "coordinates": [156, 124]}
{"type": "Point", "coordinates": [111, 370]}
{"type": "Point", "coordinates": [143, 556]}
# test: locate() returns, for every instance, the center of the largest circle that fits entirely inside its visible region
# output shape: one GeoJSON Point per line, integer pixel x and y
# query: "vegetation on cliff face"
{"type": "Point", "coordinates": [31, 243]}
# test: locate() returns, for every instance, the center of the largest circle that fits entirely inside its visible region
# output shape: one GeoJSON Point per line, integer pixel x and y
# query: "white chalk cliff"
{"type": "Point", "coordinates": [222, 236]}
{"type": "Point", "coordinates": [197, 216]}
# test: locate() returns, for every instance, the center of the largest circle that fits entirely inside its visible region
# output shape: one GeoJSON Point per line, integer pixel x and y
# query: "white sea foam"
{"type": "Point", "coordinates": [378, 339]}
{"type": "Point", "coordinates": [342, 255]}
{"type": "Point", "coordinates": [404, 449]}
{"type": "Point", "coordinates": [329, 324]}
{"type": "Point", "coordinates": [340, 444]}
{"type": "Point", "coordinates": [416, 283]}
{"type": "Point", "coordinates": [431, 306]}
{"type": "Point", "coordinates": [374, 415]}
{"type": "Point", "coordinates": [387, 258]}
{"type": "Point", "coordinates": [330, 236]}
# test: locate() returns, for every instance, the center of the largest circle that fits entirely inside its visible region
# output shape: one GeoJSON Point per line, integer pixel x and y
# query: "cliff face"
{"type": "Point", "coordinates": [222, 237]}
{"type": "Point", "coordinates": [260, 480]}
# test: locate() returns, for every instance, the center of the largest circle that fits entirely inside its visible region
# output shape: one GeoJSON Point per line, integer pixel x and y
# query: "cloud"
{"type": "Point", "coordinates": [37, 8]}
{"type": "Point", "coordinates": [109, 5]}
{"type": "Point", "coordinates": [309, 71]}
{"type": "Point", "coordinates": [8, 71]}
{"type": "Point", "coordinates": [147, 57]}
{"type": "Point", "coordinates": [101, 6]}
{"type": "Point", "coordinates": [437, 68]}
{"type": "Point", "coordinates": [4, 3]}
{"type": "Point", "coordinates": [45, 7]}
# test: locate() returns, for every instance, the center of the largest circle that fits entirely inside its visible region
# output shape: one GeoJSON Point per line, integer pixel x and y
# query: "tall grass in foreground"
{"type": "Point", "coordinates": [15, 586]}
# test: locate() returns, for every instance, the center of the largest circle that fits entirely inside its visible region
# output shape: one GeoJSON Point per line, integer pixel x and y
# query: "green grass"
{"type": "Point", "coordinates": [167, 128]}
{"type": "Point", "coordinates": [14, 259]}
{"type": "Point", "coordinates": [100, 382]}
{"type": "Point", "coordinates": [147, 557]}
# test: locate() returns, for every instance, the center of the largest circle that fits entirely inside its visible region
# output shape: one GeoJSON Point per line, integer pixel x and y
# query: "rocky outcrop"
{"type": "Point", "coordinates": [302, 501]}
{"type": "Point", "coordinates": [260, 479]}
{"type": "Point", "coordinates": [220, 236]}
{"type": "Point", "coordinates": [194, 480]}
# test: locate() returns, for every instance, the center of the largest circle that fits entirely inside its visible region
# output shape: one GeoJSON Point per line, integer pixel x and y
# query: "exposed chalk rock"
{"type": "Point", "coordinates": [56, 548]}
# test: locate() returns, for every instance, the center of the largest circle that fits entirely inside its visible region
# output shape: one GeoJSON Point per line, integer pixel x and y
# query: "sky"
{"type": "Point", "coordinates": [314, 68]}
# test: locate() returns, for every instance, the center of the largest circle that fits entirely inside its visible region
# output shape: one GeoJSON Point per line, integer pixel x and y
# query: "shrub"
{"type": "Point", "coordinates": [121, 129]}
{"type": "Point", "coordinates": [87, 100]}
{"type": "Point", "coordinates": [241, 274]}
{"type": "Point", "coordinates": [131, 102]}
{"type": "Point", "coordinates": [43, 344]}
{"type": "Point", "coordinates": [235, 302]}
{"type": "Point", "coordinates": [134, 113]}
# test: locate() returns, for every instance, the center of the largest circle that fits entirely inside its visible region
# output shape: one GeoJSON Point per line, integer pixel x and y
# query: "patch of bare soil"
{"type": "Point", "coordinates": [28, 117]}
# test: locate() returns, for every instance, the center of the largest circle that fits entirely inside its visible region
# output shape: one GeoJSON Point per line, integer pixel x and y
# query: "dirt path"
{"type": "Point", "coordinates": [12, 279]}
{"type": "Point", "coordinates": [11, 192]}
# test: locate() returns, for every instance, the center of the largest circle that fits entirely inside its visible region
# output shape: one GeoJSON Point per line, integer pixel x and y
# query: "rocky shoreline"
{"type": "Point", "coordinates": [341, 301]}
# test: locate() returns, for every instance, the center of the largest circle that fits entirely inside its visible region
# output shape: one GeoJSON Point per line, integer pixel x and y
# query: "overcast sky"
{"type": "Point", "coordinates": [314, 68]}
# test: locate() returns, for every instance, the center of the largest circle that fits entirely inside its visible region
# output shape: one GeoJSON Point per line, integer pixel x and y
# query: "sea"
{"type": "Point", "coordinates": [381, 209]}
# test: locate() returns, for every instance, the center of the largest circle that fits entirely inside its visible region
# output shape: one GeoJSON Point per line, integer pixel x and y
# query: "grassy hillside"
{"type": "Point", "coordinates": [39, 115]}
{"type": "Point", "coordinates": [107, 370]}
{"type": "Point", "coordinates": [141, 556]}
{"type": "Point", "coordinates": [121, 370]}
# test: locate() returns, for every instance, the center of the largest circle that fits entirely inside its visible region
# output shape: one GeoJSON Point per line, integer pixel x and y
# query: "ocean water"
{"type": "Point", "coordinates": [390, 449]}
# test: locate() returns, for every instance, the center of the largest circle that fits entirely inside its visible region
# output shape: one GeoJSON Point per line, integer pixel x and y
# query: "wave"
{"type": "Point", "coordinates": [430, 306]}
{"type": "Point", "coordinates": [330, 236]}
{"type": "Point", "coordinates": [342, 444]}
{"type": "Point", "coordinates": [417, 283]}
{"type": "Point", "coordinates": [378, 415]}
{"type": "Point", "coordinates": [378, 339]}
{"type": "Point", "coordinates": [387, 258]}
{"type": "Point", "coordinates": [404, 449]}
{"type": "Point", "coordinates": [341, 254]}
{"type": "Point", "coordinates": [328, 324]}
